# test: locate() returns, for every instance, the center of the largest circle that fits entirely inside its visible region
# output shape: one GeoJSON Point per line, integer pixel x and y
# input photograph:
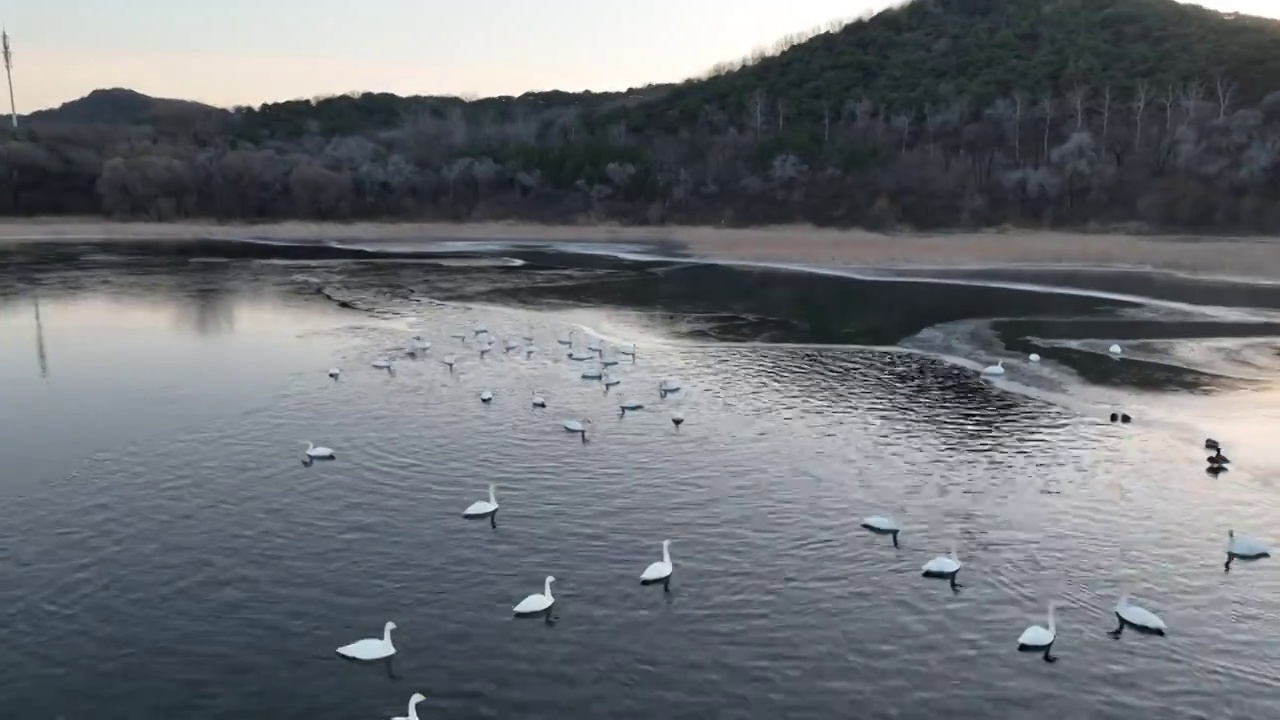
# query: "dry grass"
{"type": "Point", "coordinates": [1244, 257]}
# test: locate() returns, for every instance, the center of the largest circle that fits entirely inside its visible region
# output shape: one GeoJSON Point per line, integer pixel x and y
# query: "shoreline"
{"type": "Point", "coordinates": [1247, 257]}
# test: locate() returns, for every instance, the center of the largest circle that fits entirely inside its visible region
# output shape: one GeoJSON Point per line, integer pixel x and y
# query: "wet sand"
{"type": "Point", "coordinates": [1252, 257]}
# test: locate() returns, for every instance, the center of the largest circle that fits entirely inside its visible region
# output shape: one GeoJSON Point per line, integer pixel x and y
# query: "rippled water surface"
{"type": "Point", "coordinates": [166, 553]}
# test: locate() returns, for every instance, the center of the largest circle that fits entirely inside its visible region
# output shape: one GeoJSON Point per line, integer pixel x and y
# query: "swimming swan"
{"type": "Point", "coordinates": [479, 329]}
{"type": "Point", "coordinates": [335, 372]}
{"type": "Point", "coordinates": [944, 566]}
{"type": "Point", "coordinates": [659, 571]}
{"type": "Point", "coordinates": [610, 380]}
{"type": "Point", "coordinates": [1141, 619]}
{"type": "Point", "coordinates": [413, 709]}
{"type": "Point", "coordinates": [997, 369]}
{"type": "Point", "coordinates": [539, 401]}
{"type": "Point", "coordinates": [566, 340]}
{"type": "Point", "coordinates": [592, 373]}
{"type": "Point", "coordinates": [1036, 637]}
{"type": "Point", "coordinates": [883, 526]}
{"type": "Point", "coordinates": [382, 363]}
{"type": "Point", "coordinates": [627, 349]}
{"type": "Point", "coordinates": [1115, 350]}
{"type": "Point", "coordinates": [1034, 357]}
{"type": "Point", "coordinates": [580, 356]}
{"type": "Point", "coordinates": [537, 602]}
{"type": "Point", "coordinates": [1244, 548]}
{"type": "Point", "coordinates": [483, 508]}
{"type": "Point", "coordinates": [666, 387]}
{"type": "Point", "coordinates": [596, 346]}
{"type": "Point", "coordinates": [449, 361]}
{"type": "Point", "coordinates": [577, 426]}
{"type": "Point", "coordinates": [318, 453]}
{"type": "Point", "coordinates": [510, 345]}
{"type": "Point", "coordinates": [626, 405]}
{"type": "Point", "coordinates": [371, 648]}
{"type": "Point", "coordinates": [420, 345]}
{"type": "Point", "coordinates": [486, 396]}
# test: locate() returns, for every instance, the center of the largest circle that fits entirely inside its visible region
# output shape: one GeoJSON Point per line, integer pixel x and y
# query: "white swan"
{"type": "Point", "coordinates": [1034, 357]}
{"type": "Point", "coordinates": [610, 380]}
{"type": "Point", "coordinates": [566, 340]}
{"type": "Point", "coordinates": [371, 648]}
{"type": "Point", "coordinates": [945, 566]}
{"type": "Point", "coordinates": [461, 337]}
{"type": "Point", "coordinates": [1115, 350]}
{"type": "Point", "coordinates": [479, 329]}
{"type": "Point", "coordinates": [335, 372]}
{"type": "Point", "coordinates": [419, 344]}
{"type": "Point", "coordinates": [539, 401]}
{"type": "Point", "coordinates": [1036, 637]}
{"type": "Point", "coordinates": [413, 708]}
{"type": "Point", "coordinates": [485, 396]}
{"type": "Point", "coordinates": [537, 602]}
{"type": "Point", "coordinates": [482, 508]}
{"type": "Point", "coordinates": [510, 345]}
{"type": "Point", "coordinates": [591, 373]}
{"type": "Point", "coordinates": [1141, 618]}
{"type": "Point", "coordinates": [577, 426]}
{"type": "Point", "coordinates": [608, 361]}
{"type": "Point", "coordinates": [382, 363]}
{"type": "Point", "coordinates": [666, 387]}
{"type": "Point", "coordinates": [628, 349]}
{"type": "Point", "coordinates": [318, 453]}
{"type": "Point", "coordinates": [596, 346]}
{"type": "Point", "coordinates": [1245, 548]}
{"type": "Point", "coordinates": [997, 369]}
{"type": "Point", "coordinates": [659, 571]}
{"type": "Point", "coordinates": [626, 405]}
{"type": "Point", "coordinates": [579, 356]}
{"type": "Point", "coordinates": [449, 360]}
{"type": "Point", "coordinates": [883, 525]}
{"type": "Point", "coordinates": [529, 351]}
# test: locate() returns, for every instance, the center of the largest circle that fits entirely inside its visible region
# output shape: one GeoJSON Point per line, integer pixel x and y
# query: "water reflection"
{"type": "Point", "coordinates": [42, 358]}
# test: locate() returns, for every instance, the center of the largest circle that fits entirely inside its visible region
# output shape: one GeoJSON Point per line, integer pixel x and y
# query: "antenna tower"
{"type": "Point", "coordinates": [8, 72]}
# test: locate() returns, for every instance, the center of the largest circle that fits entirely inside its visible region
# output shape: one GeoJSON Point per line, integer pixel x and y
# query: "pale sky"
{"type": "Point", "coordinates": [229, 52]}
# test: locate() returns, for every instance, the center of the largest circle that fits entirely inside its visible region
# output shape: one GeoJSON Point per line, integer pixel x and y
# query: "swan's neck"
{"type": "Point", "coordinates": [310, 447]}
{"type": "Point", "coordinates": [953, 553]}
{"type": "Point", "coordinates": [492, 499]}
{"type": "Point", "coordinates": [1051, 628]}
{"type": "Point", "coordinates": [413, 709]}
{"type": "Point", "coordinates": [547, 589]}
{"type": "Point", "coordinates": [666, 554]}
{"type": "Point", "coordinates": [386, 635]}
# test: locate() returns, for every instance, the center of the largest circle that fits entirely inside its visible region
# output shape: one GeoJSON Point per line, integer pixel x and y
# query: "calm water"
{"type": "Point", "coordinates": [167, 555]}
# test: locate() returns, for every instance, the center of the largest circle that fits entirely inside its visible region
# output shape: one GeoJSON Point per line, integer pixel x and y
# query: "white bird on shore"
{"type": "Point", "coordinates": [997, 369]}
{"type": "Point", "coordinates": [318, 453]}
{"type": "Point", "coordinates": [659, 571]}
{"type": "Point", "coordinates": [413, 708]}
{"type": "Point", "coordinates": [1036, 637]}
{"type": "Point", "coordinates": [537, 602]}
{"type": "Point", "coordinates": [1141, 618]}
{"type": "Point", "coordinates": [371, 648]}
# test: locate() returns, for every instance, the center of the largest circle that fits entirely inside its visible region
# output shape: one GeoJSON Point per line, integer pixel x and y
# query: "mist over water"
{"type": "Point", "coordinates": [168, 555]}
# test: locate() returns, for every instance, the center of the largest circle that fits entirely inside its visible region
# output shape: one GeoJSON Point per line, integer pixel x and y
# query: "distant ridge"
{"type": "Point", "coordinates": [118, 106]}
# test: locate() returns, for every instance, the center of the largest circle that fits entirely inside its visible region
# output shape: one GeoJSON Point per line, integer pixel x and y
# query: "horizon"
{"type": "Point", "coordinates": [234, 55]}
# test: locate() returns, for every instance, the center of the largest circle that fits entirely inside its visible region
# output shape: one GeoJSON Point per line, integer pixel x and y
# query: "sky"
{"type": "Point", "coordinates": [247, 52]}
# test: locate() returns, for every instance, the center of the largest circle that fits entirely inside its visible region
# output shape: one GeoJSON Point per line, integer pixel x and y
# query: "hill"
{"type": "Point", "coordinates": [935, 114]}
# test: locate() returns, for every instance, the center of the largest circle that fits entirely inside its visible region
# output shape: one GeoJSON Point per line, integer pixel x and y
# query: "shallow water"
{"type": "Point", "coordinates": [169, 556]}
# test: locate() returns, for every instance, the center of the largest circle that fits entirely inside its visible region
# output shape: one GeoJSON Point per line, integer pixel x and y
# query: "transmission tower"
{"type": "Point", "coordinates": [8, 73]}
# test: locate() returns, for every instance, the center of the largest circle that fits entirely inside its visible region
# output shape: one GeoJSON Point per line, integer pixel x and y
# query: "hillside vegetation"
{"type": "Point", "coordinates": [936, 114]}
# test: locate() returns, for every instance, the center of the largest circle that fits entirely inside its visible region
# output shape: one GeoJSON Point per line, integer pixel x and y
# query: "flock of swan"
{"type": "Point", "coordinates": [1037, 638]}
{"type": "Point", "coordinates": [536, 604]}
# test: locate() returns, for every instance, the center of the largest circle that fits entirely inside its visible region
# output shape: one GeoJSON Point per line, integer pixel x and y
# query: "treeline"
{"type": "Point", "coordinates": [1180, 156]}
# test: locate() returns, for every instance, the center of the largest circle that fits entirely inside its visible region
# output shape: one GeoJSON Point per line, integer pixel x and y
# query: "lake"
{"type": "Point", "coordinates": [167, 554]}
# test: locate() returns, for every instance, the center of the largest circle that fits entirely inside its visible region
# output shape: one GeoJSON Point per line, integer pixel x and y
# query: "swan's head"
{"type": "Point", "coordinates": [389, 626]}
{"type": "Point", "coordinates": [492, 487]}
{"type": "Point", "coordinates": [417, 698]}
{"type": "Point", "coordinates": [551, 579]}
{"type": "Point", "coordinates": [666, 544]}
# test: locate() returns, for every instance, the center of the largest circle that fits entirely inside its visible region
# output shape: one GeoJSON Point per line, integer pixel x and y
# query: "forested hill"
{"type": "Point", "coordinates": [938, 113]}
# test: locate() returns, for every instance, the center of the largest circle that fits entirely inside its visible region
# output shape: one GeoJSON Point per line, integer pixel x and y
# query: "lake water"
{"type": "Point", "coordinates": [167, 555]}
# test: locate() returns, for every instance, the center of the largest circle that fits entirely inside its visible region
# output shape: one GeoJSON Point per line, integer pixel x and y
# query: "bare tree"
{"type": "Point", "coordinates": [1168, 100]}
{"type": "Point", "coordinates": [759, 111]}
{"type": "Point", "coordinates": [1106, 112]}
{"type": "Point", "coordinates": [1226, 91]}
{"type": "Point", "coordinates": [826, 123]}
{"type": "Point", "coordinates": [780, 114]}
{"type": "Point", "coordinates": [1017, 127]}
{"type": "Point", "coordinates": [1192, 95]}
{"type": "Point", "coordinates": [902, 122]}
{"type": "Point", "coordinates": [1076, 98]}
{"type": "Point", "coordinates": [1141, 94]}
{"type": "Point", "coordinates": [1046, 109]}
{"type": "Point", "coordinates": [929, 119]}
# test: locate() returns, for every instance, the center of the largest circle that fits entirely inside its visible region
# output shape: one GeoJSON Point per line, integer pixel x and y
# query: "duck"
{"type": "Point", "coordinates": [882, 525]}
{"type": "Point", "coordinates": [1140, 618]}
{"type": "Point", "coordinates": [371, 648]}
{"type": "Point", "coordinates": [1216, 470]}
{"type": "Point", "coordinates": [944, 566]}
{"type": "Point", "coordinates": [539, 401]}
{"type": "Point", "coordinates": [1218, 458]}
{"type": "Point", "coordinates": [1244, 548]}
{"type": "Point", "coordinates": [1115, 417]}
{"type": "Point", "coordinates": [413, 708]}
{"type": "Point", "coordinates": [677, 419]}
{"type": "Point", "coordinates": [318, 453]}
{"type": "Point", "coordinates": [1125, 418]}
{"type": "Point", "coordinates": [537, 602]}
{"type": "Point", "coordinates": [483, 508]}
{"type": "Point", "coordinates": [335, 372]}
{"type": "Point", "coordinates": [659, 572]}
{"type": "Point", "coordinates": [1211, 444]}
{"type": "Point", "coordinates": [997, 369]}
{"type": "Point", "coordinates": [1036, 637]}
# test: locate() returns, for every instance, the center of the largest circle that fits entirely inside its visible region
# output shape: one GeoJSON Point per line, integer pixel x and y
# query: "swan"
{"type": "Point", "coordinates": [677, 420]}
{"type": "Point", "coordinates": [610, 380]}
{"type": "Point", "coordinates": [529, 351]}
{"type": "Point", "coordinates": [335, 372]}
{"type": "Point", "coordinates": [659, 571]}
{"type": "Point", "coordinates": [510, 345]}
{"type": "Point", "coordinates": [666, 387]}
{"type": "Point", "coordinates": [1211, 444]}
{"type": "Point", "coordinates": [579, 356]}
{"type": "Point", "coordinates": [596, 346]}
{"type": "Point", "coordinates": [486, 396]}
{"type": "Point", "coordinates": [413, 708]}
{"type": "Point", "coordinates": [539, 401]}
{"type": "Point", "coordinates": [420, 345]}
{"type": "Point", "coordinates": [1245, 548]}
{"type": "Point", "coordinates": [628, 349]}
{"type": "Point", "coordinates": [460, 337]}
{"type": "Point", "coordinates": [1034, 357]}
{"type": "Point", "coordinates": [482, 508]}
{"type": "Point", "coordinates": [1115, 350]}
{"type": "Point", "coordinates": [626, 405]}
{"type": "Point", "coordinates": [537, 602]}
{"type": "Point", "coordinates": [591, 373]}
{"type": "Point", "coordinates": [882, 525]}
{"type": "Point", "coordinates": [484, 349]}
{"type": "Point", "coordinates": [577, 426]}
{"type": "Point", "coordinates": [608, 361]}
{"type": "Point", "coordinates": [944, 566]}
{"type": "Point", "coordinates": [1140, 618]}
{"type": "Point", "coordinates": [479, 329]}
{"type": "Point", "coordinates": [318, 453]}
{"type": "Point", "coordinates": [1036, 637]}
{"type": "Point", "coordinates": [997, 369]}
{"type": "Point", "coordinates": [449, 360]}
{"type": "Point", "coordinates": [566, 340]}
{"type": "Point", "coordinates": [371, 648]}
{"type": "Point", "coordinates": [382, 363]}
